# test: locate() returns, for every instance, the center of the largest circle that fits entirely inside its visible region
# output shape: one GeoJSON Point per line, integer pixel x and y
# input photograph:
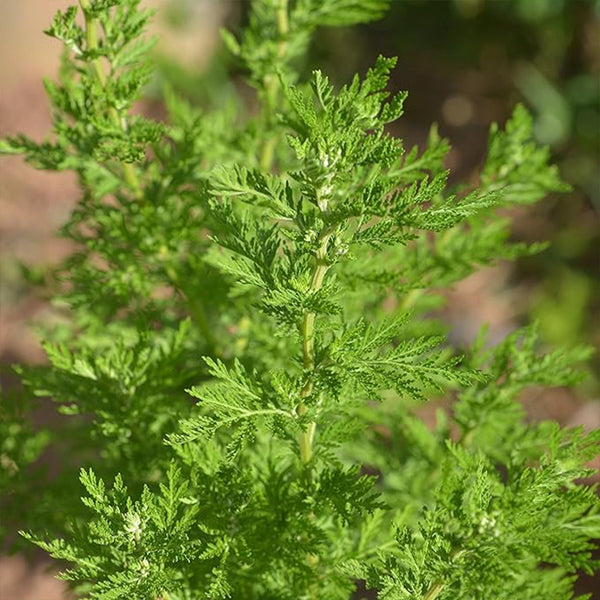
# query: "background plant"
{"type": "Point", "coordinates": [297, 250]}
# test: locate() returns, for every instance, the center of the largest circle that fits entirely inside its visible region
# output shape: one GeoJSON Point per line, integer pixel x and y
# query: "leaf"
{"type": "Point", "coordinates": [235, 399]}
{"type": "Point", "coordinates": [377, 358]}
{"type": "Point", "coordinates": [253, 186]}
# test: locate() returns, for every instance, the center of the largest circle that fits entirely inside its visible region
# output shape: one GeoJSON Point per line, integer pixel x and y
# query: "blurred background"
{"type": "Point", "coordinates": [465, 64]}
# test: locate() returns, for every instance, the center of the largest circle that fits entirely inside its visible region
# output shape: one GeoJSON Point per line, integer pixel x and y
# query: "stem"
{"type": "Point", "coordinates": [283, 25]}
{"type": "Point", "coordinates": [438, 585]}
{"type": "Point", "coordinates": [308, 346]}
{"type": "Point", "coordinates": [435, 590]}
{"type": "Point", "coordinates": [267, 154]}
{"type": "Point", "coordinates": [91, 36]}
{"type": "Point", "coordinates": [271, 83]}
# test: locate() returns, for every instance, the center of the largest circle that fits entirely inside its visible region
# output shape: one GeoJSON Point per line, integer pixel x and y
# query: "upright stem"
{"type": "Point", "coordinates": [434, 591]}
{"type": "Point", "coordinates": [283, 25]}
{"type": "Point", "coordinates": [308, 347]}
{"type": "Point", "coordinates": [271, 83]}
{"type": "Point", "coordinates": [91, 36]}
{"type": "Point", "coordinates": [308, 352]}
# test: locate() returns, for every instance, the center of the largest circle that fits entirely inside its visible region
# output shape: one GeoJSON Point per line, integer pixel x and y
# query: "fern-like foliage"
{"type": "Point", "coordinates": [248, 342]}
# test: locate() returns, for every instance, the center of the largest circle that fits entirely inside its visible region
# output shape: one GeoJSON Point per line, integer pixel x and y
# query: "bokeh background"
{"type": "Point", "coordinates": [465, 64]}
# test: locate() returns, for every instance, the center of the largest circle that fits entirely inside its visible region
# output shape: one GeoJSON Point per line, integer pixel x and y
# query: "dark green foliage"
{"type": "Point", "coordinates": [20, 447]}
{"type": "Point", "coordinates": [246, 259]}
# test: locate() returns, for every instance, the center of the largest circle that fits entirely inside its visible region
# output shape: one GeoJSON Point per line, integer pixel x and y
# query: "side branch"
{"type": "Point", "coordinates": [91, 36]}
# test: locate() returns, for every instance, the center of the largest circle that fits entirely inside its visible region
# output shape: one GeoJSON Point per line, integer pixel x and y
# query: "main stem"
{"type": "Point", "coordinates": [91, 36]}
{"type": "Point", "coordinates": [308, 347]}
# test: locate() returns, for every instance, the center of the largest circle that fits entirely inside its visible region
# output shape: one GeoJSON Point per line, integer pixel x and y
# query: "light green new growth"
{"type": "Point", "coordinates": [249, 335]}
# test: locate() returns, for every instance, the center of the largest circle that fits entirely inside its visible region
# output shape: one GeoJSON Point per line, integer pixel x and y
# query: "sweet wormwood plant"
{"type": "Point", "coordinates": [283, 266]}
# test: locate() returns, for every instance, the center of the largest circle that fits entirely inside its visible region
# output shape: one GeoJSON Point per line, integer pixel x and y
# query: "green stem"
{"type": "Point", "coordinates": [91, 36]}
{"type": "Point", "coordinates": [267, 154]}
{"type": "Point", "coordinates": [283, 25]}
{"type": "Point", "coordinates": [438, 585]}
{"type": "Point", "coordinates": [435, 590]}
{"type": "Point", "coordinates": [308, 347]}
{"type": "Point", "coordinates": [271, 83]}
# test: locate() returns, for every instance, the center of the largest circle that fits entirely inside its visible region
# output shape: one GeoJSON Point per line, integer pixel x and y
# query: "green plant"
{"type": "Point", "coordinates": [282, 266]}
